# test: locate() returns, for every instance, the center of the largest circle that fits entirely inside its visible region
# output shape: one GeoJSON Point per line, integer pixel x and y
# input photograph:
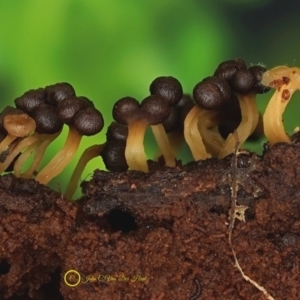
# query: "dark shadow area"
{"type": "Point", "coordinates": [4, 267]}
{"type": "Point", "coordinates": [121, 221]}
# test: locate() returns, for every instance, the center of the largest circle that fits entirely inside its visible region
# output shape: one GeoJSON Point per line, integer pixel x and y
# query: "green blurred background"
{"type": "Point", "coordinates": [111, 49]}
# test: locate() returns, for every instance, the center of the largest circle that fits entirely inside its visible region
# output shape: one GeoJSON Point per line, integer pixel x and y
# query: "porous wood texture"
{"type": "Point", "coordinates": [161, 235]}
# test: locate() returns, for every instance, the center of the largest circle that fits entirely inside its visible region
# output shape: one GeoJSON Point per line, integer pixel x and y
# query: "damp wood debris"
{"type": "Point", "coordinates": [170, 229]}
{"type": "Point", "coordinates": [223, 226]}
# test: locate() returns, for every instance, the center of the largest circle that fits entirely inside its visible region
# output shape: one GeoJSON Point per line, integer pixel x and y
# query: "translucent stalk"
{"type": "Point", "coordinates": [61, 159]}
{"type": "Point", "coordinates": [25, 143]}
{"type": "Point", "coordinates": [211, 137]}
{"type": "Point", "coordinates": [135, 152]}
{"type": "Point", "coordinates": [86, 156]}
{"type": "Point", "coordinates": [39, 152]}
{"type": "Point", "coordinates": [24, 157]}
{"type": "Point", "coordinates": [164, 145]}
{"type": "Point", "coordinates": [272, 118]}
{"type": "Point", "coordinates": [6, 142]}
{"type": "Point", "coordinates": [193, 136]}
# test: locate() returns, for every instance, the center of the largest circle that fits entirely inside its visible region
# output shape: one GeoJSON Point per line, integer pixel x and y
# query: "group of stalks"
{"type": "Point", "coordinates": [221, 110]}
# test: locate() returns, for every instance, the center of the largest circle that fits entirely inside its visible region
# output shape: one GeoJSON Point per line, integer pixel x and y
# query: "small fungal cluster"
{"type": "Point", "coordinates": [221, 110]}
{"type": "Point", "coordinates": [36, 121]}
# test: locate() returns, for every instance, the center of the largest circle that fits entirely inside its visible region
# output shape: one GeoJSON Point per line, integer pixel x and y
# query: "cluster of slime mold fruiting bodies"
{"type": "Point", "coordinates": [41, 112]}
{"type": "Point", "coordinates": [221, 111]}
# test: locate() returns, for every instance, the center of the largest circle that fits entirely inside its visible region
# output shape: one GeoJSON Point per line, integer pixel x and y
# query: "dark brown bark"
{"type": "Point", "coordinates": [170, 227]}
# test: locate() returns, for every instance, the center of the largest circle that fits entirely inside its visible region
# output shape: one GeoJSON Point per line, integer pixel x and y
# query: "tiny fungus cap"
{"type": "Point", "coordinates": [30, 100]}
{"type": "Point", "coordinates": [228, 68]}
{"type": "Point", "coordinates": [126, 110]}
{"type": "Point", "coordinates": [58, 92]}
{"type": "Point", "coordinates": [257, 72]}
{"type": "Point", "coordinates": [155, 110]}
{"type": "Point", "coordinates": [67, 108]}
{"type": "Point", "coordinates": [46, 119]}
{"type": "Point", "coordinates": [243, 81]}
{"type": "Point", "coordinates": [168, 88]}
{"type": "Point", "coordinates": [211, 93]}
{"type": "Point", "coordinates": [8, 110]}
{"type": "Point", "coordinates": [86, 100]}
{"type": "Point", "coordinates": [116, 131]}
{"type": "Point", "coordinates": [19, 125]}
{"type": "Point", "coordinates": [88, 121]}
{"type": "Point", "coordinates": [113, 155]}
